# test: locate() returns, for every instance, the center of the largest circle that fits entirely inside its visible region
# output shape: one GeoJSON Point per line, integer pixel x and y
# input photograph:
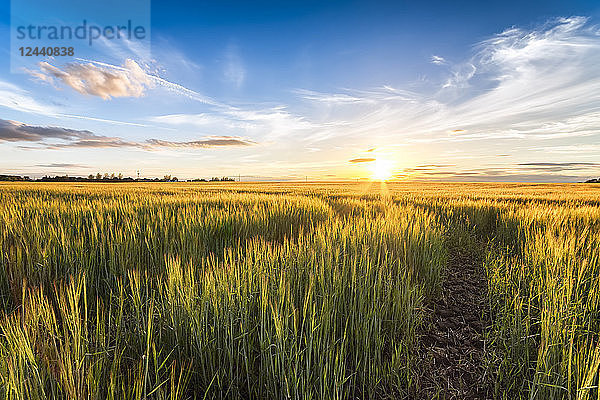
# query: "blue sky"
{"type": "Point", "coordinates": [474, 91]}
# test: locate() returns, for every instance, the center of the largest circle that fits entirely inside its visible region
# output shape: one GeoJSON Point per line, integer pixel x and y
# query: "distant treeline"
{"type": "Point", "coordinates": [597, 180]}
{"type": "Point", "coordinates": [106, 178]}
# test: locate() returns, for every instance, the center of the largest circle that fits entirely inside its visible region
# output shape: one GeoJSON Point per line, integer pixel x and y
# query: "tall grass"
{"type": "Point", "coordinates": [287, 290]}
{"type": "Point", "coordinates": [545, 280]}
{"type": "Point", "coordinates": [174, 293]}
{"type": "Point", "coordinates": [542, 260]}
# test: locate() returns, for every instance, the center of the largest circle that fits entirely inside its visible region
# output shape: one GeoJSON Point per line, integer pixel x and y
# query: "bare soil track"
{"type": "Point", "coordinates": [452, 349]}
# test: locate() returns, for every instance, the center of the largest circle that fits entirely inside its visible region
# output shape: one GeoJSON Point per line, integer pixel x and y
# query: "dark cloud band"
{"type": "Point", "coordinates": [11, 131]}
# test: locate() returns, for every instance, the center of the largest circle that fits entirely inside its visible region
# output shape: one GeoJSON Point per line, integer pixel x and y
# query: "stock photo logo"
{"type": "Point", "coordinates": [54, 33]}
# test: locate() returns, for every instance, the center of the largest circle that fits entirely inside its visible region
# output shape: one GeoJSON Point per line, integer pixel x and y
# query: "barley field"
{"type": "Point", "coordinates": [291, 290]}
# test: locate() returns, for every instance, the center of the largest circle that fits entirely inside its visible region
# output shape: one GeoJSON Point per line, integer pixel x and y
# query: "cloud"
{"type": "Point", "coordinates": [12, 131]}
{"type": "Point", "coordinates": [154, 144]}
{"type": "Point", "coordinates": [537, 84]}
{"type": "Point", "coordinates": [61, 165]}
{"type": "Point", "coordinates": [587, 149]}
{"type": "Point", "coordinates": [487, 175]}
{"type": "Point", "coordinates": [564, 164]}
{"type": "Point", "coordinates": [102, 81]}
{"type": "Point", "coordinates": [183, 91]}
{"type": "Point", "coordinates": [113, 81]}
{"type": "Point", "coordinates": [435, 165]}
{"type": "Point", "coordinates": [108, 121]}
{"type": "Point", "coordinates": [123, 49]}
{"type": "Point", "coordinates": [427, 169]}
{"type": "Point", "coordinates": [17, 99]}
{"type": "Point", "coordinates": [461, 75]}
{"type": "Point", "coordinates": [362, 160]}
{"type": "Point", "coordinates": [95, 142]}
{"type": "Point", "coordinates": [234, 71]}
{"type": "Point", "coordinates": [437, 60]}
{"type": "Point", "coordinates": [559, 166]}
{"type": "Point", "coordinates": [201, 120]}
{"type": "Point", "coordinates": [276, 117]}
{"type": "Point", "coordinates": [525, 172]}
{"type": "Point", "coordinates": [134, 73]}
{"type": "Point", "coordinates": [333, 98]}
{"type": "Point", "coordinates": [268, 123]}
{"type": "Point", "coordinates": [543, 78]}
{"type": "Point", "coordinates": [213, 141]}
{"type": "Point", "coordinates": [47, 137]}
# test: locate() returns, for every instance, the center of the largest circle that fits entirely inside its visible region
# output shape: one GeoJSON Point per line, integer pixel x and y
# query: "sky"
{"type": "Point", "coordinates": [450, 91]}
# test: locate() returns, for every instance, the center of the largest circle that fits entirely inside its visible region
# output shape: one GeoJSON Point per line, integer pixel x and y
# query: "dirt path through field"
{"type": "Point", "coordinates": [452, 348]}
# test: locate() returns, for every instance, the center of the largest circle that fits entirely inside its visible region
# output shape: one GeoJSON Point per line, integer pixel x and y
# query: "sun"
{"type": "Point", "coordinates": [382, 170]}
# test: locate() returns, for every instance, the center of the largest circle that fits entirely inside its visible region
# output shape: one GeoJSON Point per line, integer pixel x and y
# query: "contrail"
{"type": "Point", "coordinates": [174, 87]}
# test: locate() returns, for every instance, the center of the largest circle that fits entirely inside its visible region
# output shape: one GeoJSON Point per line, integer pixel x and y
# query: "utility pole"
{"type": "Point", "coordinates": [138, 174]}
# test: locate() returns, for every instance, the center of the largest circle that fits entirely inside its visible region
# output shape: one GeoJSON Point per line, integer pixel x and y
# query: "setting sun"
{"type": "Point", "coordinates": [382, 170]}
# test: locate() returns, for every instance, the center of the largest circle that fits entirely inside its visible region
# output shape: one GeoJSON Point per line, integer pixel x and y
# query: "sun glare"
{"type": "Point", "coordinates": [382, 170]}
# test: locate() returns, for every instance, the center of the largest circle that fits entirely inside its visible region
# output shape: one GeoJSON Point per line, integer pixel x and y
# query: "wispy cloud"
{"type": "Point", "coordinates": [572, 149]}
{"type": "Point", "coordinates": [559, 167]}
{"type": "Point", "coordinates": [212, 141]}
{"type": "Point", "coordinates": [15, 98]}
{"type": "Point", "coordinates": [268, 123]}
{"type": "Point", "coordinates": [521, 84]}
{"type": "Point", "coordinates": [531, 171]}
{"type": "Point", "coordinates": [18, 99]}
{"type": "Point", "coordinates": [438, 60]}
{"type": "Point", "coordinates": [200, 120]}
{"type": "Point", "coordinates": [234, 70]}
{"type": "Point", "coordinates": [61, 165]}
{"type": "Point", "coordinates": [362, 160]}
{"type": "Point", "coordinates": [431, 166]}
{"type": "Point", "coordinates": [563, 164]}
{"type": "Point", "coordinates": [333, 98]}
{"type": "Point", "coordinates": [152, 144]}
{"type": "Point", "coordinates": [461, 75]}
